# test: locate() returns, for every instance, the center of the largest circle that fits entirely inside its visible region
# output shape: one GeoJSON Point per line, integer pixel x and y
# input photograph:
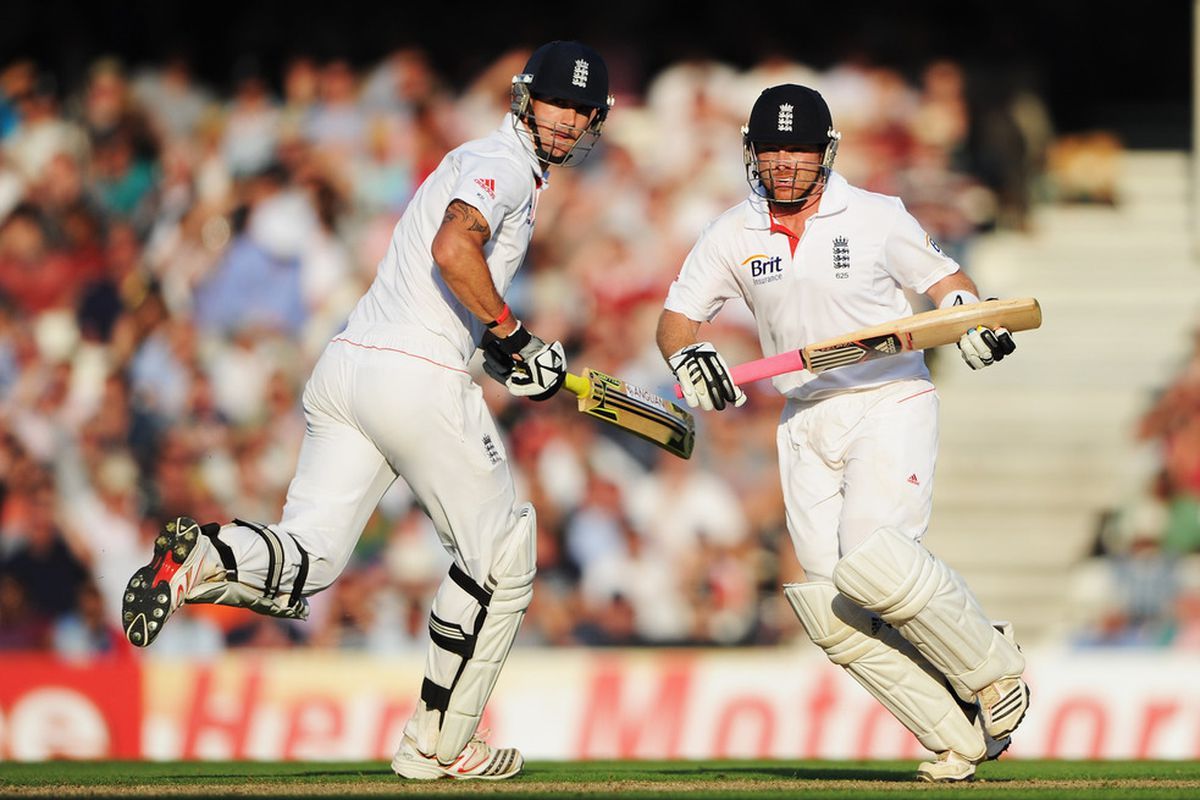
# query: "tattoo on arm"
{"type": "Point", "coordinates": [469, 214]}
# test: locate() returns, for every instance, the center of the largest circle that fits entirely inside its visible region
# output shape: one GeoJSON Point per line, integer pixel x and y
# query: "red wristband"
{"type": "Point", "coordinates": [505, 313]}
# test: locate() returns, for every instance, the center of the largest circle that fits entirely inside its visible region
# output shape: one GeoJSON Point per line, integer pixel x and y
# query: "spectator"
{"type": "Point", "coordinates": [85, 632]}
{"type": "Point", "coordinates": [41, 133]}
{"type": "Point", "coordinates": [22, 627]}
{"type": "Point", "coordinates": [252, 123]}
{"type": "Point", "coordinates": [37, 556]}
{"type": "Point", "coordinates": [258, 282]}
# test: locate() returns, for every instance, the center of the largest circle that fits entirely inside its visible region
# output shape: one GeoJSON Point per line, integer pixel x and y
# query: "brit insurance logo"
{"type": "Point", "coordinates": [764, 268]}
{"type": "Point", "coordinates": [841, 258]}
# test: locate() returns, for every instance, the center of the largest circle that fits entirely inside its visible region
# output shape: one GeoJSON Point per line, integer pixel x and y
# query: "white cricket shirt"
{"type": "Point", "coordinates": [847, 270]}
{"type": "Point", "coordinates": [409, 306]}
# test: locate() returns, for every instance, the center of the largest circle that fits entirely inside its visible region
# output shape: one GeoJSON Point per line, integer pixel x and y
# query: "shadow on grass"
{"type": "Point", "coordinates": [785, 772]}
{"type": "Point", "coordinates": [628, 771]}
{"type": "Point", "coordinates": [666, 771]}
{"type": "Point", "coordinates": [283, 775]}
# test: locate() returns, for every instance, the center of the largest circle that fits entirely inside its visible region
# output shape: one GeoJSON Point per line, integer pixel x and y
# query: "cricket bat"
{"type": "Point", "coordinates": [918, 332]}
{"type": "Point", "coordinates": [634, 409]}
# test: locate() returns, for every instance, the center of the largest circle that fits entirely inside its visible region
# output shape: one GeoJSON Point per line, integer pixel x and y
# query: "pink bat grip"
{"type": "Point", "coordinates": [758, 369]}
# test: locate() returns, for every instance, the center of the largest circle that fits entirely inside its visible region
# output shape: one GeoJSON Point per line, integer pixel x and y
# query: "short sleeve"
{"type": "Point", "coordinates": [912, 257]}
{"type": "Point", "coordinates": [704, 282]}
{"type": "Point", "coordinates": [493, 186]}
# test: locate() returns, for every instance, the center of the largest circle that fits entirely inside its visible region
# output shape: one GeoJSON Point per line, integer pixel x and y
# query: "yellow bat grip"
{"type": "Point", "coordinates": [578, 385]}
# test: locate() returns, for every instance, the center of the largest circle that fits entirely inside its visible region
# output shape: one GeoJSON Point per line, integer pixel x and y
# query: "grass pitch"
{"type": "Point", "coordinates": [811, 780]}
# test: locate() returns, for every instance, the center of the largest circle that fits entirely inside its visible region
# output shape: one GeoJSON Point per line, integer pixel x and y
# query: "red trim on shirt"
{"type": "Point", "coordinates": [793, 238]}
{"type": "Point", "coordinates": [918, 394]}
{"type": "Point", "coordinates": [401, 352]}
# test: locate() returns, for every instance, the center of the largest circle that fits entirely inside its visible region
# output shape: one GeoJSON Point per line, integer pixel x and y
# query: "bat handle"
{"type": "Point", "coordinates": [752, 371]}
{"type": "Point", "coordinates": [577, 385]}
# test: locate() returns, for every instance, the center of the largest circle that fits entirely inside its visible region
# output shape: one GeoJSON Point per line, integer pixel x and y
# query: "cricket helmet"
{"type": "Point", "coordinates": [563, 71]}
{"type": "Point", "coordinates": [789, 115]}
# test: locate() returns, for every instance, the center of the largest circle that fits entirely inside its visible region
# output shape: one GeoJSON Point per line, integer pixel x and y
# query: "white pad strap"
{"type": "Point", "coordinates": [888, 667]}
{"type": "Point", "coordinates": [232, 593]}
{"type": "Point", "coordinates": [931, 606]}
{"type": "Point", "coordinates": [472, 628]}
{"type": "Point", "coordinates": [265, 559]}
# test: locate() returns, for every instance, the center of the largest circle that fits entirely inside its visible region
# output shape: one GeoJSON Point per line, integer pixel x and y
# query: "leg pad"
{"type": "Point", "coordinates": [888, 667]}
{"type": "Point", "coordinates": [931, 606]}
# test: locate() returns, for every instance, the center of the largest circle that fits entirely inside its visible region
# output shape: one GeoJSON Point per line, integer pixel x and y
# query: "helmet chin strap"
{"type": "Point", "coordinates": [522, 108]}
{"type": "Point", "coordinates": [811, 195]}
{"type": "Point", "coordinates": [813, 192]}
{"type": "Point", "coordinates": [539, 149]}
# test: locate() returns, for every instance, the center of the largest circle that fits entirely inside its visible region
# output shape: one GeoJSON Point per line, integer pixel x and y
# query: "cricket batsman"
{"type": "Point", "coordinates": [815, 257]}
{"type": "Point", "coordinates": [391, 397]}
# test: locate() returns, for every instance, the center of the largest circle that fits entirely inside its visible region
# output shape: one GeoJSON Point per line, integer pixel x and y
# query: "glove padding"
{"type": "Point", "coordinates": [982, 347]}
{"type": "Point", "coordinates": [525, 364]}
{"type": "Point", "coordinates": [704, 377]}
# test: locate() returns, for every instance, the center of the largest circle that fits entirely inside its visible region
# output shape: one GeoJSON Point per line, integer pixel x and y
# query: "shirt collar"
{"type": "Point", "coordinates": [525, 145]}
{"type": "Point", "coordinates": [833, 199]}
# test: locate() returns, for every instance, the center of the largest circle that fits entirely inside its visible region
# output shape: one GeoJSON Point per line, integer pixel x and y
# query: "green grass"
{"type": "Point", "coordinates": [657, 779]}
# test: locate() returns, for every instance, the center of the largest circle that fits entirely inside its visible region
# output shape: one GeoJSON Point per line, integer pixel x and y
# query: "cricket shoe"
{"type": "Point", "coordinates": [951, 767]}
{"type": "Point", "coordinates": [156, 590]}
{"type": "Point", "coordinates": [948, 767]}
{"type": "Point", "coordinates": [477, 761]}
{"type": "Point", "coordinates": [995, 747]}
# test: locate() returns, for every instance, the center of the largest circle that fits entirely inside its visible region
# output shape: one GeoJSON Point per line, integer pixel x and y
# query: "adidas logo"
{"type": "Point", "coordinates": [913, 479]}
{"type": "Point", "coordinates": [488, 185]}
{"type": "Point", "coordinates": [1010, 702]}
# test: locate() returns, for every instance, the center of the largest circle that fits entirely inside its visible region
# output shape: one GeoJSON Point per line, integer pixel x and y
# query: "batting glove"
{"type": "Point", "coordinates": [525, 364]}
{"type": "Point", "coordinates": [982, 347]}
{"type": "Point", "coordinates": [704, 377]}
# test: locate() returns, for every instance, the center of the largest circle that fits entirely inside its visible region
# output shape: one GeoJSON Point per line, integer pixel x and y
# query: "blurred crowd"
{"type": "Point", "coordinates": [173, 258]}
{"type": "Point", "coordinates": [1141, 585]}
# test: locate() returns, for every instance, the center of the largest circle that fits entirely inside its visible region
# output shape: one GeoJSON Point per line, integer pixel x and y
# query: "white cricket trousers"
{"type": "Point", "coordinates": [853, 463]}
{"type": "Point", "coordinates": [374, 412]}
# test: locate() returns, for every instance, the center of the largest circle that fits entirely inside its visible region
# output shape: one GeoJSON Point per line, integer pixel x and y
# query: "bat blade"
{"type": "Point", "coordinates": [635, 410]}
